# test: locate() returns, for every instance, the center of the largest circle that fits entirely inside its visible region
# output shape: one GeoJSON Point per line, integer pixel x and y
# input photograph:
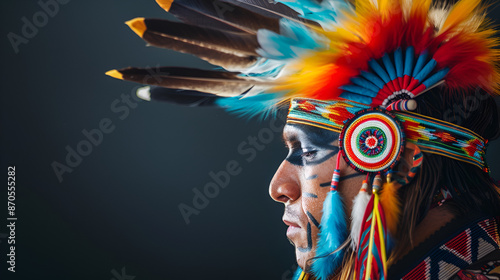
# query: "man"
{"type": "Point", "coordinates": [389, 116]}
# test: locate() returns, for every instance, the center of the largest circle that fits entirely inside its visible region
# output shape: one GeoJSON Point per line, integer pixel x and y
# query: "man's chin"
{"type": "Point", "coordinates": [304, 259]}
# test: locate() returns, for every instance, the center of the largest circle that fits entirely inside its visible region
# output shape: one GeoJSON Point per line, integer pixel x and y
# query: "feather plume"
{"type": "Point", "coordinates": [240, 44]}
{"type": "Point", "coordinates": [459, 13]}
{"type": "Point", "coordinates": [273, 9]}
{"type": "Point", "coordinates": [394, 45]}
{"type": "Point", "coordinates": [332, 233]}
{"type": "Point", "coordinates": [221, 15]}
{"type": "Point", "coordinates": [176, 96]}
{"type": "Point", "coordinates": [218, 57]}
{"type": "Point", "coordinates": [262, 105]}
{"type": "Point", "coordinates": [225, 84]}
{"type": "Point", "coordinates": [391, 204]}
{"type": "Point", "coordinates": [358, 210]}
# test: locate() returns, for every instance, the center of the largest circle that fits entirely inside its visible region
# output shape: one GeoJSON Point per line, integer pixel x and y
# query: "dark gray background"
{"type": "Point", "coordinates": [119, 207]}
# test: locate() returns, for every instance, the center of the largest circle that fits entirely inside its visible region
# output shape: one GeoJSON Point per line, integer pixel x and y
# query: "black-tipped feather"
{"type": "Point", "coordinates": [227, 84]}
{"type": "Point", "coordinates": [240, 44]}
{"type": "Point", "coordinates": [271, 9]}
{"type": "Point", "coordinates": [182, 97]}
{"type": "Point", "coordinates": [222, 15]}
{"type": "Point", "coordinates": [216, 57]}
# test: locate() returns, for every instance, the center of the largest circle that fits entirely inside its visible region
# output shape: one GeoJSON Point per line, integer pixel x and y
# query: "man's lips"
{"type": "Point", "coordinates": [293, 228]}
{"type": "Point", "coordinates": [290, 224]}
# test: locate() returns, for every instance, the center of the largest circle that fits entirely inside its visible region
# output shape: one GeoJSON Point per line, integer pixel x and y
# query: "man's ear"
{"type": "Point", "coordinates": [408, 165]}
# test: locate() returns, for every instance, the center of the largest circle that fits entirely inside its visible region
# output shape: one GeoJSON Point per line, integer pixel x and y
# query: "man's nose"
{"type": "Point", "coordinates": [285, 185]}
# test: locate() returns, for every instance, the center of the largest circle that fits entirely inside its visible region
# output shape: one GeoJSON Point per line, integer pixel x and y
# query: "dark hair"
{"type": "Point", "coordinates": [472, 189]}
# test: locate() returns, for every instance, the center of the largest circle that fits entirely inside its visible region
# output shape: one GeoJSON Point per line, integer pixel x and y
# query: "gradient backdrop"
{"type": "Point", "coordinates": [116, 215]}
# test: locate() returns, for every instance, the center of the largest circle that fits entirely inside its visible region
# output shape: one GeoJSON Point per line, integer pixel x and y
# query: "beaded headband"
{"type": "Point", "coordinates": [431, 135]}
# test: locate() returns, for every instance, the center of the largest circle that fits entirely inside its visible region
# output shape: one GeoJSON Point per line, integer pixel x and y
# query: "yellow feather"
{"type": "Point", "coordinates": [420, 8]}
{"type": "Point", "coordinates": [391, 205]}
{"type": "Point", "coordinates": [460, 12]}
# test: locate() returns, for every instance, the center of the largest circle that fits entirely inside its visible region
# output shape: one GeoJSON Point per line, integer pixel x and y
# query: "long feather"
{"type": "Point", "coordinates": [333, 231]}
{"type": "Point", "coordinates": [217, 57]}
{"type": "Point", "coordinates": [358, 210]}
{"type": "Point", "coordinates": [220, 15]}
{"type": "Point", "coordinates": [262, 105]}
{"type": "Point", "coordinates": [459, 13]}
{"type": "Point", "coordinates": [240, 44]}
{"type": "Point", "coordinates": [176, 96]}
{"type": "Point", "coordinates": [227, 84]}
{"type": "Point", "coordinates": [273, 9]}
{"type": "Point", "coordinates": [391, 204]}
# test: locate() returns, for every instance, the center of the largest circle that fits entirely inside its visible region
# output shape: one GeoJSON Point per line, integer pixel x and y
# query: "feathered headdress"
{"type": "Point", "coordinates": [369, 53]}
{"type": "Point", "coordinates": [350, 68]}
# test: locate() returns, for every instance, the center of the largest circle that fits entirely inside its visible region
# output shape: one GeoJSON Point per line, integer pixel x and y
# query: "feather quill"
{"type": "Point", "coordinates": [226, 84]}
{"type": "Point", "coordinates": [240, 44]}
{"type": "Point", "coordinates": [218, 57]}
{"type": "Point", "coordinates": [176, 96]}
{"type": "Point", "coordinates": [221, 15]}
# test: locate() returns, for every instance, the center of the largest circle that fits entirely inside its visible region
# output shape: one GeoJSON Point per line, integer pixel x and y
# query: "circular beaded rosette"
{"type": "Point", "coordinates": [372, 141]}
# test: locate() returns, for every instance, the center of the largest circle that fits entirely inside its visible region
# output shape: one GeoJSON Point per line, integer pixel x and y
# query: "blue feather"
{"type": "Point", "coordinates": [426, 70]}
{"type": "Point", "coordinates": [379, 70]}
{"type": "Point", "coordinates": [261, 105]}
{"type": "Point", "coordinates": [398, 61]}
{"type": "Point", "coordinates": [364, 83]}
{"type": "Point", "coordinates": [409, 61]}
{"type": "Point", "coordinates": [294, 39]}
{"type": "Point", "coordinates": [333, 232]}
{"type": "Point", "coordinates": [356, 97]}
{"type": "Point", "coordinates": [420, 63]}
{"type": "Point", "coordinates": [434, 79]}
{"type": "Point", "coordinates": [359, 90]}
{"type": "Point", "coordinates": [322, 12]}
{"type": "Point", "coordinates": [296, 275]}
{"type": "Point", "coordinates": [389, 66]}
{"type": "Point", "coordinates": [373, 78]}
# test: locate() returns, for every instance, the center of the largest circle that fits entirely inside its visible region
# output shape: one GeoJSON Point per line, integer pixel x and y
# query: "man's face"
{"type": "Point", "coordinates": [303, 180]}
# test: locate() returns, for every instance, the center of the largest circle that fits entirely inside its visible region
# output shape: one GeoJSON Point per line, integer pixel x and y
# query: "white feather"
{"type": "Point", "coordinates": [358, 211]}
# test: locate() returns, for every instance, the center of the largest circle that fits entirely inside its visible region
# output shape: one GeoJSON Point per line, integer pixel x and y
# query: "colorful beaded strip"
{"type": "Point", "coordinates": [431, 135]}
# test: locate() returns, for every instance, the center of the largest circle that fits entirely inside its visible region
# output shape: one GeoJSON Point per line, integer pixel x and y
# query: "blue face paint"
{"type": "Point", "coordinates": [308, 145]}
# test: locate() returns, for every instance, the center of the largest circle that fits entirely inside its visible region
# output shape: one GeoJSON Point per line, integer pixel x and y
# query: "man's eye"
{"type": "Point", "coordinates": [309, 155]}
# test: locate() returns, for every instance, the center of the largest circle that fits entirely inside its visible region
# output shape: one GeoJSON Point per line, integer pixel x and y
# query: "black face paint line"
{"type": "Point", "coordinates": [309, 145]}
{"type": "Point", "coordinates": [306, 194]}
{"type": "Point", "coordinates": [324, 185]}
{"type": "Point", "coordinates": [313, 220]}
{"type": "Point", "coordinates": [309, 241]}
{"type": "Point", "coordinates": [342, 178]}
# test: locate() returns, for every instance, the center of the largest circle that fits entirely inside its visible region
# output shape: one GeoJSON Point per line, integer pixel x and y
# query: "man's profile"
{"type": "Point", "coordinates": [390, 110]}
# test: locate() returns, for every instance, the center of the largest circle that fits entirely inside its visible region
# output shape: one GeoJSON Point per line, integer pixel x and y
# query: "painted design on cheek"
{"type": "Point", "coordinates": [311, 217]}
{"type": "Point", "coordinates": [306, 194]}
{"type": "Point", "coordinates": [309, 240]}
{"type": "Point", "coordinates": [312, 177]}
